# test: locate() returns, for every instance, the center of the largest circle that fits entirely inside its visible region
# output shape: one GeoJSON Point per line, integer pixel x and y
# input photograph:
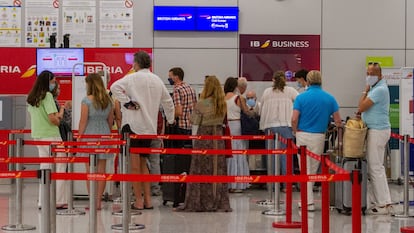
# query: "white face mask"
{"type": "Point", "coordinates": [371, 80]}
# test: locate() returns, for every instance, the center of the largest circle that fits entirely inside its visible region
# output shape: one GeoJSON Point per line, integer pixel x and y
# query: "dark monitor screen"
{"type": "Point", "coordinates": [217, 19]}
{"type": "Point", "coordinates": [174, 18]}
{"type": "Point", "coordinates": [60, 61]}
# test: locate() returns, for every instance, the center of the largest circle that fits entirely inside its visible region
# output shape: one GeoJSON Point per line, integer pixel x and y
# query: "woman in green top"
{"type": "Point", "coordinates": [45, 119]}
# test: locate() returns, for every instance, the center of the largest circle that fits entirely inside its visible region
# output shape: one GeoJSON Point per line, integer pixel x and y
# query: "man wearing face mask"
{"type": "Point", "coordinates": [184, 98]}
{"type": "Point", "coordinates": [374, 107]}
{"type": "Point", "coordinates": [300, 77]}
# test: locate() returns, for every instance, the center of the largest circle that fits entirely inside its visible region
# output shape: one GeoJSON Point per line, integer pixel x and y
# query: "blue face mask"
{"type": "Point", "coordinates": [52, 86]}
{"type": "Point", "coordinates": [170, 81]}
{"type": "Point", "coordinates": [300, 85]}
{"type": "Point", "coordinates": [251, 102]}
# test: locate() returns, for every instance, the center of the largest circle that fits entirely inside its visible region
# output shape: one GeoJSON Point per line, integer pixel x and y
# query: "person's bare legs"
{"type": "Point", "coordinates": [136, 169]}
{"type": "Point", "coordinates": [147, 185]}
{"type": "Point", "coordinates": [101, 183]}
{"type": "Point", "coordinates": [101, 167]}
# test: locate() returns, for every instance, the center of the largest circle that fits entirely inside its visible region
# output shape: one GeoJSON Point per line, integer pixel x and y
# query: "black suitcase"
{"type": "Point", "coordinates": [174, 164]}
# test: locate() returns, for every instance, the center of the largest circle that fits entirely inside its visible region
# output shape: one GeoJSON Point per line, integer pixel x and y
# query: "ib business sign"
{"type": "Point", "coordinates": [262, 55]}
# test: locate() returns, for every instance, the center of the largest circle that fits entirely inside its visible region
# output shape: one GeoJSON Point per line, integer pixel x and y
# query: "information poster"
{"type": "Point", "coordinates": [10, 24]}
{"type": "Point", "coordinates": [41, 22]}
{"type": "Point", "coordinates": [115, 24]}
{"type": "Point", "coordinates": [79, 21]}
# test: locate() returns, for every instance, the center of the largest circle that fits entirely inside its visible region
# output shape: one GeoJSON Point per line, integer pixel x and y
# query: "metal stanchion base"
{"type": "Point", "coordinates": [132, 226]}
{"type": "Point", "coordinates": [70, 212]}
{"type": "Point", "coordinates": [265, 202]}
{"type": "Point", "coordinates": [132, 212]}
{"type": "Point", "coordinates": [273, 212]}
{"type": "Point", "coordinates": [19, 227]}
{"type": "Point", "coordinates": [287, 225]}
{"type": "Point", "coordinates": [402, 215]}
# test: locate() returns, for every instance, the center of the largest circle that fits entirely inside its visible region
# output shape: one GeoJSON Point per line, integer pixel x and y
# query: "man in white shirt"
{"type": "Point", "coordinates": [140, 94]}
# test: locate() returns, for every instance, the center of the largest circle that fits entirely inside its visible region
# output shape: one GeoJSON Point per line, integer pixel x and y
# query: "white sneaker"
{"type": "Point", "coordinates": [311, 206]}
{"type": "Point", "coordinates": [381, 210]}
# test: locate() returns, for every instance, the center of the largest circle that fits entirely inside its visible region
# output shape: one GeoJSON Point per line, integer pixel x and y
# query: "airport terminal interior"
{"type": "Point", "coordinates": [246, 217]}
{"type": "Point", "coordinates": [225, 38]}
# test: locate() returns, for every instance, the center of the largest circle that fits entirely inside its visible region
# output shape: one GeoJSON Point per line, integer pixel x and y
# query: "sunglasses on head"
{"type": "Point", "coordinates": [373, 63]}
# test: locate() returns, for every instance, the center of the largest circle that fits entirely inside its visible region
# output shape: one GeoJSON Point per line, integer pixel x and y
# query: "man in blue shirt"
{"type": "Point", "coordinates": [374, 105]}
{"type": "Point", "coordinates": [312, 110]}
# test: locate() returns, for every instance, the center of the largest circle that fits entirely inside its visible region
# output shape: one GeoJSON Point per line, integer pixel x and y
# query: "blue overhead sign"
{"type": "Point", "coordinates": [217, 19]}
{"type": "Point", "coordinates": [196, 18]}
{"type": "Point", "coordinates": [174, 18]}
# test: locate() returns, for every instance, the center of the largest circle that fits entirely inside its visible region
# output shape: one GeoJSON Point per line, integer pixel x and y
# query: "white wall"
{"type": "Point", "coordinates": [350, 30]}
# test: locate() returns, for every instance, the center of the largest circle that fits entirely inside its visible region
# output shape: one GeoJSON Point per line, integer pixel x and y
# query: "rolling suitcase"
{"type": "Point", "coordinates": [174, 164]}
{"type": "Point", "coordinates": [343, 190]}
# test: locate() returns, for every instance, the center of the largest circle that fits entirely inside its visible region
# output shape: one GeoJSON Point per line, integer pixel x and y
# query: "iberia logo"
{"type": "Point", "coordinates": [182, 179]}
{"type": "Point", "coordinates": [109, 177]}
{"type": "Point", "coordinates": [29, 72]}
{"type": "Point", "coordinates": [265, 45]}
{"type": "Point", "coordinates": [18, 175]}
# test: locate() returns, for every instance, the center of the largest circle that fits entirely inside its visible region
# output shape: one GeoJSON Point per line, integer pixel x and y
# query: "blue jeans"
{"type": "Point", "coordinates": [285, 132]}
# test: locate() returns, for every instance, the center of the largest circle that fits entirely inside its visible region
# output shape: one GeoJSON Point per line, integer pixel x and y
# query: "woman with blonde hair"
{"type": "Point", "coordinates": [96, 118]}
{"type": "Point", "coordinates": [208, 114]}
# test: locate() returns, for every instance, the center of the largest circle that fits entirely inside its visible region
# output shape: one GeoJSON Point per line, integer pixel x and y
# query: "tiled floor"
{"type": "Point", "coordinates": [247, 217]}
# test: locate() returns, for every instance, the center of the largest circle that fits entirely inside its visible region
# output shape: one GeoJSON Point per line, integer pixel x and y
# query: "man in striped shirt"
{"type": "Point", "coordinates": [184, 98]}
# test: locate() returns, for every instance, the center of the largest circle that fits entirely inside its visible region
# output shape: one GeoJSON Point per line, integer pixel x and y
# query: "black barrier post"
{"type": "Point", "coordinates": [126, 187]}
{"type": "Point", "coordinates": [19, 197]}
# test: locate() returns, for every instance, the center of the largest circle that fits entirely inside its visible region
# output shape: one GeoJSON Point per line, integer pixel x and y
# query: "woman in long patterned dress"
{"type": "Point", "coordinates": [208, 114]}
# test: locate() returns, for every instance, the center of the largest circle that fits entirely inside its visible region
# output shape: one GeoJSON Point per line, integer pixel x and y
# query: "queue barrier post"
{"type": "Point", "coordinates": [52, 190]}
{"type": "Point", "coordinates": [406, 155]}
{"type": "Point", "coordinates": [269, 168]}
{"type": "Point", "coordinates": [304, 189]}
{"type": "Point", "coordinates": [288, 223]}
{"type": "Point", "coordinates": [325, 195]}
{"type": "Point", "coordinates": [126, 186]}
{"type": "Point", "coordinates": [276, 211]}
{"type": "Point", "coordinates": [92, 195]}
{"type": "Point", "coordinates": [356, 178]}
{"type": "Point", "coordinates": [44, 176]}
{"type": "Point", "coordinates": [71, 210]}
{"type": "Point", "coordinates": [19, 226]}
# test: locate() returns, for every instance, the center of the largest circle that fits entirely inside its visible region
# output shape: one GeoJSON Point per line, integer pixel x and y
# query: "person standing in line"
{"type": "Point", "coordinates": [209, 115]}
{"type": "Point", "coordinates": [312, 110]}
{"type": "Point", "coordinates": [45, 119]}
{"type": "Point", "coordinates": [184, 98]}
{"type": "Point", "coordinates": [97, 117]}
{"type": "Point", "coordinates": [276, 112]}
{"type": "Point", "coordinates": [140, 94]}
{"type": "Point", "coordinates": [374, 106]}
{"type": "Point", "coordinates": [300, 77]}
{"type": "Point", "coordinates": [241, 85]}
{"type": "Point", "coordinates": [154, 159]}
{"type": "Point", "coordinates": [236, 165]}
